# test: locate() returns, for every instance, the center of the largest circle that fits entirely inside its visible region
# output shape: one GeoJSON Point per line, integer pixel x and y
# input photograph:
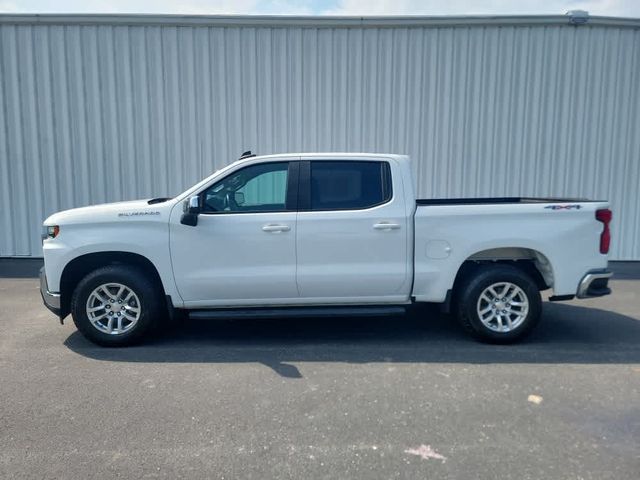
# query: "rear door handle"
{"type": "Point", "coordinates": [275, 228]}
{"type": "Point", "coordinates": [386, 226]}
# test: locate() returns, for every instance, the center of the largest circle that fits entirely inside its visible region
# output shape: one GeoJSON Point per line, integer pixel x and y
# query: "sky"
{"type": "Point", "coordinates": [621, 8]}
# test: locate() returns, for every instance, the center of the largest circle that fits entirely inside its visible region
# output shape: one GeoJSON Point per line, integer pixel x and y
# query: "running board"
{"type": "Point", "coordinates": [297, 312]}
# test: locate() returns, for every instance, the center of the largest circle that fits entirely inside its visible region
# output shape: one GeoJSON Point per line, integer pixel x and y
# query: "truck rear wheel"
{"type": "Point", "coordinates": [498, 303]}
{"type": "Point", "coordinates": [115, 305]}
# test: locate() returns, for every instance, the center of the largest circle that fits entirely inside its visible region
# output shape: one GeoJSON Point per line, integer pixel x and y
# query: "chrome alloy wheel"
{"type": "Point", "coordinates": [113, 308]}
{"type": "Point", "coordinates": [502, 307]}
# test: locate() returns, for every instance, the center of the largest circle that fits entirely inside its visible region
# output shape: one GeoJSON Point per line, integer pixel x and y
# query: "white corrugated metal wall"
{"type": "Point", "coordinates": [99, 109]}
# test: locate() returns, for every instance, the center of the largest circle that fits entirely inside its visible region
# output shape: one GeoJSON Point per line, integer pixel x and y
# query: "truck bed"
{"type": "Point", "coordinates": [561, 235]}
{"type": "Point", "coordinates": [498, 200]}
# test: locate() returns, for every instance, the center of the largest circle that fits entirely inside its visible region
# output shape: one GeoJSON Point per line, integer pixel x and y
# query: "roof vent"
{"type": "Point", "coordinates": [578, 17]}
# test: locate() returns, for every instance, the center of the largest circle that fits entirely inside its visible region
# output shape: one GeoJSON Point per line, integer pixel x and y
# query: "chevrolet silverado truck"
{"type": "Point", "coordinates": [319, 234]}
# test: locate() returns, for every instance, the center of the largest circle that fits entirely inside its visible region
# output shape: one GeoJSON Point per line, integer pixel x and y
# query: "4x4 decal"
{"type": "Point", "coordinates": [564, 207]}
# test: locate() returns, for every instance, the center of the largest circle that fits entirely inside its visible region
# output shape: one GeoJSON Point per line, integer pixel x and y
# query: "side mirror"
{"type": "Point", "coordinates": [193, 205]}
{"type": "Point", "coordinates": [239, 198]}
{"type": "Point", "coordinates": [191, 209]}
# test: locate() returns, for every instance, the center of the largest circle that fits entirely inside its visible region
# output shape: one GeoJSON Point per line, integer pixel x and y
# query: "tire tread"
{"type": "Point", "coordinates": [145, 288]}
{"type": "Point", "coordinates": [466, 302]}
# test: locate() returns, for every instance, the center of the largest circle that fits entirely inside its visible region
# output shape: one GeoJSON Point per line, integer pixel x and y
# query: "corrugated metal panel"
{"type": "Point", "coordinates": [92, 112]}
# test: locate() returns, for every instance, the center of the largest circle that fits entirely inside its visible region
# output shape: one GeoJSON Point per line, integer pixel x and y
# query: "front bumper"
{"type": "Point", "coordinates": [594, 284]}
{"type": "Point", "coordinates": [51, 300]}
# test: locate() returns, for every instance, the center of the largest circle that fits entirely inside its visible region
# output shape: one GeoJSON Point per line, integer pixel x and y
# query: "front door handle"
{"type": "Point", "coordinates": [386, 226]}
{"type": "Point", "coordinates": [275, 228]}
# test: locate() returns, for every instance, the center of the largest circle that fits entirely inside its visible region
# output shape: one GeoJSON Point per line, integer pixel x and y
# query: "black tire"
{"type": "Point", "coordinates": [471, 288]}
{"type": "Point", "coordinates": [149, 294]}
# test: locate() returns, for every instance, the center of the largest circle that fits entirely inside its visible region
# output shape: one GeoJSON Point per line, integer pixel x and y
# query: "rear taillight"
{"type": "Point", "coordinates": [604, 216]}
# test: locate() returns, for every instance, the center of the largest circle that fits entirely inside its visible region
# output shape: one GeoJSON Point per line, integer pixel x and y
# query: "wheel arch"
{"type": "Point", "coordinates": [82, 265]}
{"type": "Point", "coordinates": [530, 261]}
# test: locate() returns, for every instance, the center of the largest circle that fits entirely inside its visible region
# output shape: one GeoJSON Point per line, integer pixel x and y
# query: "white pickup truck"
{"type": "Point", "coordinates": [319, 234]}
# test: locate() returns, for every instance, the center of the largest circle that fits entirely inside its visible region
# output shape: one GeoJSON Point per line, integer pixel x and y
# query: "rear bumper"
{"type": "Point", "coordinates": [594, 284]}
{"type": "Point", "coordinates": [51, 300]}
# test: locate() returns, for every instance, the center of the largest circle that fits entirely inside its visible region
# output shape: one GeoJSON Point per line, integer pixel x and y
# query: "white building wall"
{"type": "Point", "coordinates": [105, 108]}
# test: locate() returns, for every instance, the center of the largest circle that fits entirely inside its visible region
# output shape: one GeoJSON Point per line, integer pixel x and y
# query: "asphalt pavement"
{"type": "Point", "coordinates": [401, 397]}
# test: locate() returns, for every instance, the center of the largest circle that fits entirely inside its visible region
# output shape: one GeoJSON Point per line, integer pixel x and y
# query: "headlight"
{"type": "Point", "coordinates": [53, 231]}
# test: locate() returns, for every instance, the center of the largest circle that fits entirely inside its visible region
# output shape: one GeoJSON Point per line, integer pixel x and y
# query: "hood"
{"type": "Point", "coordinates": [110, 212]}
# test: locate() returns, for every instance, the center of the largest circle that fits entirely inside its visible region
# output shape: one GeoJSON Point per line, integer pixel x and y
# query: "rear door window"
{"type": "Point", "coordinates": [343, 185]}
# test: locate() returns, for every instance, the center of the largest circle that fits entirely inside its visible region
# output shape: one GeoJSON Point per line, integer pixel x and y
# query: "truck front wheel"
{"type": "Point", "coordinates": [498, 303]}
{"type": "Point", "coordinates": [115, 305]}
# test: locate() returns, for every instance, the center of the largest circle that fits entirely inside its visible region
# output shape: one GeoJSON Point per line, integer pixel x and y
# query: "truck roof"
{"type": "Point", "coordinates": [335, 155]}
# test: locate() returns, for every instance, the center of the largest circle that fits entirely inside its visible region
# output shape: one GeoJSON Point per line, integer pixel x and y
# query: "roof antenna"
{"type": "Point", "coordinates": [577, 17]}
{"type": "Point", "coordinates": [247, 154]}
